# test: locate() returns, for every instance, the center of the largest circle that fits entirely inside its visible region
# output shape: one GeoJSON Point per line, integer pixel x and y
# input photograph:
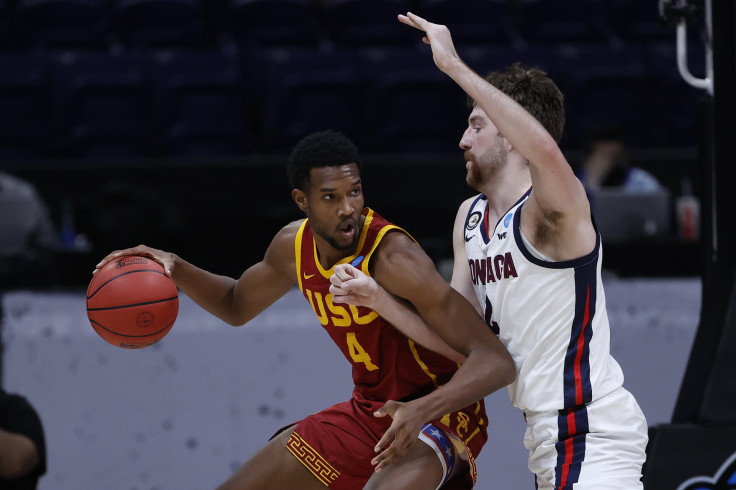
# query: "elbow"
{"type": "Point", "coordinates": [507, 372]}
{"type": "Point", "coordinates": [549, 150]}
{"type": "Point", "coordinates": [501, 369]}
{"type": "Point", "coordinates": [20, 465]}
{"type": "Point", "coordinates": [234, 321]}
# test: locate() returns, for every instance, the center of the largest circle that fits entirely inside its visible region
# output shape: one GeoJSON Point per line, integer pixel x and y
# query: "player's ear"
{"type": "Point", "coordinates": [509, 146]}
{"type": "Point", "coordinates": [300, 198]}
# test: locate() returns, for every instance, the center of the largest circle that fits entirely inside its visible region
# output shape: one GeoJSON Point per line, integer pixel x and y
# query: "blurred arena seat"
{"type": "Point", "coordinates": [556, 21]}
{"type": "Point", "coordinates": [199, 103]}
{"type": "Point", "coordinates": [358, 23]}
{"type": "Point", "coordinates": [100, 103]}
{"type": "Point", "coordinates": [604, 87]}
{"type": "Point", "coordinates": [25, 108]}
{"type": "Point", "coordinates": [473, 21]}
{"type": "Point", "coordinates": [305, 90]}
{"type": "Point", "coordinates": [159, 23]}
{"type": "Point", "coordinates": [60, 23]}
{"type": "Point", "coordinates": [273, 22]}
{"type": "Point", "coordinates": [411, 105]}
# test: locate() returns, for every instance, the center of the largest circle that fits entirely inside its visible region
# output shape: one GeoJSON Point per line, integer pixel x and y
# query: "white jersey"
{"type": "Point", "coordinates": [551, 316]}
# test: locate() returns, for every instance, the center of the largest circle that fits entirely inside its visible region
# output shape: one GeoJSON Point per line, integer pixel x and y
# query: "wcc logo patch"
{"type": "Point", "coordinates": [473, 220]}
{"type": "Point", "coordinates": [724, 479]}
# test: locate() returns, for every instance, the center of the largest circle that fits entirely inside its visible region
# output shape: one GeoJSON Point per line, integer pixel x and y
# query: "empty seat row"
{"type": "Point", "coordinates": [218, 102]}
{"type": "Point", "coordinates": [145, 23]}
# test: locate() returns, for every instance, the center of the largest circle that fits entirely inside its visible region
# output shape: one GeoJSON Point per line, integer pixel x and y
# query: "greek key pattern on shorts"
{"type": "Point", "coordinates": [312, 459]}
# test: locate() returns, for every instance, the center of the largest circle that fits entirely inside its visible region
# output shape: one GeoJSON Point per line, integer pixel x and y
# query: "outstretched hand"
{"type": "Point", "coordinates": [352, 286]}
{"type": "Point", "coordinates": [437, 36]}
{"type": "Point", "coordinates": [401, 435]}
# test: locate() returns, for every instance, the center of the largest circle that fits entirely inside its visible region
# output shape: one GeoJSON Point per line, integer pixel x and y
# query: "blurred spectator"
{"type": "Point", "coordinates": [27, 235]}
{"type": "Point", "coordinates": [607, 165]}
{"type": "Point", "coordinates": [22, 444]}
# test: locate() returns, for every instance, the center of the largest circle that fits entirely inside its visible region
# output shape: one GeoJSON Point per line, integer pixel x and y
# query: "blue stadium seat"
{"type": "Point", "coordinates": [473, 21]}
{"type": "Point", "coordinates": [200, 104]}
{"type": "Point", "coordinates": [368, 23]}
{"type": "Point", "coordinates": [306, 90]}
{"type": "Point", "coordinates": [273, 22]}
{"type": "Point", "coordinates": [60, 23]}
{"type": "Point", "coordinates": [160, 23]}
{"type": "Point", "coordinates": [676, 104]}
{"type": "Point", "coordinates": [604, 86]}
{"type": "Point", "coordinates": [25, 109]}
{"type": "Point", "coordinates": [636, 20]}
{"type": "Point", "coordinates": [100, 104]}
{"type": "Point", "coordinates": [556, 21]}
{"type": "Point", "coordinates": [489, 57]}
{"type": "Point", "coordinates": [413, 107]}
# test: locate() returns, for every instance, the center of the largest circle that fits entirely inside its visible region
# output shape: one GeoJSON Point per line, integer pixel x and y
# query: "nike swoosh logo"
{"type": "Point", "coordinates": [468, 238]}
{"type": "Point", "coordinates": [307, 276]}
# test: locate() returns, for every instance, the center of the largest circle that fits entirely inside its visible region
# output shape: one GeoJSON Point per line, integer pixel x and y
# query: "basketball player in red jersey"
{"type": "Point", "coordinates": [369, 441]}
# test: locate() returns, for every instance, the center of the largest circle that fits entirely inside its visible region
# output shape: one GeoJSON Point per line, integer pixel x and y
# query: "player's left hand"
{"type": "Point", "coordinates": [352, 286]}
{"type": "Point", "coordinates": [403, 432]}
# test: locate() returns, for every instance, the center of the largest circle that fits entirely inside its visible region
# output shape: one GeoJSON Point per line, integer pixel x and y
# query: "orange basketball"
{"type": "Point", "coordinates": [131, 302]}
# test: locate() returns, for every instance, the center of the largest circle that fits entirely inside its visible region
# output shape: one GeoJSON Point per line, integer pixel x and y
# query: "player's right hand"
{"type": "Point", "coordinates": [166, 259]}
{"type": "Point", "coordinates": [438, 37]}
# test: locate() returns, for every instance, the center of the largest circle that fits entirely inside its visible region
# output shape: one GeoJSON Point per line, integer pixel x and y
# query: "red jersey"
{"type": "Point", "coordinates": [386, 364]}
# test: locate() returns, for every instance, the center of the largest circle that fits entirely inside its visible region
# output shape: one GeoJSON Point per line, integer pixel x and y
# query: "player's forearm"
{"type": "Point", "coordinates": [408, 322]}
{"type": "Point", "coordinates": [482, 374]}
{"type": "Point", "coordinates": [212, 292]}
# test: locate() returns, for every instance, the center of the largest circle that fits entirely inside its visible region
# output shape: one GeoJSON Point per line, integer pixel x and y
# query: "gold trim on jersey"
{"type": "Point", "coordinates": [421, 363]}
{"type": "Point", "coordinates": [379, 237]}
{"type": "Point", "coordinates": [310, 458]}
{"type": "Point", "coordinates": [298, 252]}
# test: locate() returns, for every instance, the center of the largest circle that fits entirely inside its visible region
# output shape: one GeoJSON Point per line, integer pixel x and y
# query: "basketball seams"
{"type": "Point", "coordinates": [131, 310]}
{"type": "Point", "coordinates": [133, 336]}
{"type": "Point", "coordinates": [118, 307]}
{"type": "Point", "coordinates": [124, 274]}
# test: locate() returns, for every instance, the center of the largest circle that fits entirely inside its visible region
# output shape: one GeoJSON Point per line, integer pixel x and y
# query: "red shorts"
{"type": "Point", "coordinates": [337, 444]}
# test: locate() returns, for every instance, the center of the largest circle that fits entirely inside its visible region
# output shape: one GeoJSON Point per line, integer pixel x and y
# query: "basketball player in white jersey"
{"type": "Point", "coordinates": [528, 256]}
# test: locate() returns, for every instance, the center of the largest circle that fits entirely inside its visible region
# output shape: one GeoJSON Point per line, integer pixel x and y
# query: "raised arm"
{"type": "Point", "coordinates": [235, 301]}
{"type": "Point", "coordinates": [404, 270]}
{"type": "Point", "coordinates": [558, 200]}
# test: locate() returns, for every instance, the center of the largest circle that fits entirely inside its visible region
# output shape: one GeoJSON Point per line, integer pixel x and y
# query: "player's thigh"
{"type": "Point", "coordinates": [273, 467]}
{"type": "Point", "coordinates": [419, 469]}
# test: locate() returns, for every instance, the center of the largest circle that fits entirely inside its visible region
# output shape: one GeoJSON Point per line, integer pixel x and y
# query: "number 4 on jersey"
{"type": "Point", "coordinates": [358, 353]}
{"type": "Point", "coordinates": [489, 313]}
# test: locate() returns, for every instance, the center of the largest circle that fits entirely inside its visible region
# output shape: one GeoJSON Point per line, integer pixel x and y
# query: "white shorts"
{"type": "Point", "coordinates": [598, 446]}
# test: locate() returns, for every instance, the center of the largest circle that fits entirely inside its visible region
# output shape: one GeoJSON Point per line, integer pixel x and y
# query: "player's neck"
{"type": "Point", "coordinates": [504, 191]}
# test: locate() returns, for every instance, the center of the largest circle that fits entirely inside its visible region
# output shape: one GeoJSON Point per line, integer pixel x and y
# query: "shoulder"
{"type": "Point", "coordinates": [464, 209]}
{"type": "Point", "coordinates": [290, 231]}
{"type": "Point", "coordinates": [282, 244]}
{"type": "Point", "coordinates": [398, 251]}
{"type": "Point", "coordinates": [468, 204]}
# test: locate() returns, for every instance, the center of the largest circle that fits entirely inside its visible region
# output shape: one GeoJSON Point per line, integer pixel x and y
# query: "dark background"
{"type": "Point", "coordinates": [169, 122]}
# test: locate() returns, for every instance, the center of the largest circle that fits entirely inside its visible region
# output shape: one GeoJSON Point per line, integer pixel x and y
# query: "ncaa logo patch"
{"type": "Point", "coordinates": [507, 220]}
{"type": "Point", "coordinates": [473, 220]}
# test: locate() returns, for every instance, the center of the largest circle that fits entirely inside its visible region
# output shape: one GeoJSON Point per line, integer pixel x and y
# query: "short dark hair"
{"type": "Point", "coordinates": [316, 150]}
{"type": "Point", "coordinates": [533, 90]}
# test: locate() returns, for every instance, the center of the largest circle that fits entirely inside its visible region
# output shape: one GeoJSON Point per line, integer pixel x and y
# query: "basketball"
{"type": "Point", "coordinates": [132, 303]}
